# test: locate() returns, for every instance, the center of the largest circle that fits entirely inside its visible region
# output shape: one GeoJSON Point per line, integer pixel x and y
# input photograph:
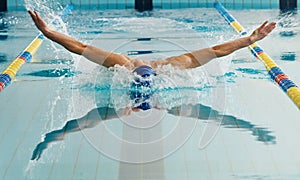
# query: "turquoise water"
{"type": "Point", "coordinates": [225, 120]}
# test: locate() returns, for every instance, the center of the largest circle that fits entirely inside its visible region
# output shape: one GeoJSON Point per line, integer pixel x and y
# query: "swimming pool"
{"type": "Point", "coordinates": [258, 122]}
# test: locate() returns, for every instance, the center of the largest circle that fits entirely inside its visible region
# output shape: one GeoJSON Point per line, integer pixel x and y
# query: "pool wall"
{"type": "Point", "coordinates": [14, 5]}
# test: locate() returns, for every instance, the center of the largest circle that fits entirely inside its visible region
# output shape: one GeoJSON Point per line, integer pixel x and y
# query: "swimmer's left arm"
{"type": "Point", "coordinates": [231, 46]}
{"type": "Point", "coordinates": [203, 56]}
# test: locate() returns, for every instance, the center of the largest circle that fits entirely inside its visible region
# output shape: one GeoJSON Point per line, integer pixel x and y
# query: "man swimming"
{"type": "Point", "coordinates": [187, 60]}
{"type": "Point", "coordinates": [147, 68]}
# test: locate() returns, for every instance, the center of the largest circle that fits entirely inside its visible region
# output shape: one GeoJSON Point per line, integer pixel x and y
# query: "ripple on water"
{"type": "Point", "coordinates": [3, 57]}
{"type": "Point", "coordinates": [66, 72]}
{"type": "Point", "coordinates": [288, 56]}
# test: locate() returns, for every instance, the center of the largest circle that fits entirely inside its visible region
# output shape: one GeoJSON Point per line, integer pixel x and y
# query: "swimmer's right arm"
{"type": "Point", "coordinates": [99, 56]}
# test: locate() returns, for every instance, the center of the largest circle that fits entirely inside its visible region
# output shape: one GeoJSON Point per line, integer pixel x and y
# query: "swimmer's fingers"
{"type": "Point", "coordinates": [266, 28]}
{"type": "Point", "coordinates": [38, 17]}
{"type": "Point", "coordinates": [38, 21]}
{"type": "Point", "coordinates": [262, 31]}
{"type": "Point", "coordinates": [270, 27]}
{"type": "Point", "coordinates": [33, 17]}
{"type": "Point", "coordinates": [262, 26]}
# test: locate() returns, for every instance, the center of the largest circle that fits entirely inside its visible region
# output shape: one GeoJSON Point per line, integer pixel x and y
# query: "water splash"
{"type": "Point", "coordinates": [287, 23]}
{"type": "Point", "coordinates": [170, 85]}
{"type": "Point", "coordinates": [28, 170]}
{"type": "Point", "coordinates": [48, 9]}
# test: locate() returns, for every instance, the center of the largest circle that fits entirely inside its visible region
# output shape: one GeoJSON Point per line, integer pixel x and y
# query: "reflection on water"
{"type": "Point", "coordinates": [288, 33]}
{"type": "Point", "coordinates": [231, 76]}
{"type": "Point", "coordinates": [3, 57]}
{"type": "Point", "coordinates": [288, 56]}
{"type": "Point", "coordinates": [198, 111]}
{"type": "Point", "coordinates": [228, 121]}
{"type": "Point", "coordinates": [54, 61]}
{"type": "Point", "coordinates": [66, 72]}
{"type": "Point", "coordinates": [251, 71]}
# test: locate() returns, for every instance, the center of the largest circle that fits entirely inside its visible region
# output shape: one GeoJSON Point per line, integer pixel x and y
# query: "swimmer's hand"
{"type": "Point", "coordinates": [38, 21]}
{"type": "Point", "coordinates": [262, 31]}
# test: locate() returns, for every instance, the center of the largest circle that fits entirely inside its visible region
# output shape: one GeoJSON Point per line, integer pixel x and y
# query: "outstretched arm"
{"type": "Point", "coordinates": [258, 34]}
{"type": "Point", "coordinates": [203, 56]}
{"type": "Point", "coordinates": [92, 53]}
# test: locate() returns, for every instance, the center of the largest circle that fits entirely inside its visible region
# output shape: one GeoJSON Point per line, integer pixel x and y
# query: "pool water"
{"type": "Point", "coordinates": [224, 120]}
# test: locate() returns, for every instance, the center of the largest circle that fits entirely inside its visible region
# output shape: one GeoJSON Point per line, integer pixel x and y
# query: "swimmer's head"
{"type": "Point", "coordinates": [144, 71]}
{"type": "Point", "coordinates": [140, 97]}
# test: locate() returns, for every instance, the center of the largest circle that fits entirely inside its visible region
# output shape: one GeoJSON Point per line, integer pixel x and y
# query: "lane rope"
{"type": "Point", "coordinates": [287, 85]}
{"type": "Point", "coordinates": [9, 73]}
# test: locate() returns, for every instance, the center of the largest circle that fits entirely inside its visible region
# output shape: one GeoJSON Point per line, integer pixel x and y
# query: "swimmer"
{"type": "Point", "coordinates": [147, 68]}
{"type": "Point", "coordinates": [188, 60]}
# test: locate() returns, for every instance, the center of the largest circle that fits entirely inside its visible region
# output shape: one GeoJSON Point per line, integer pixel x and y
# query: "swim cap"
{"type": "Point", "coordinates": [137, 93]}
{"type": "Point", "coordinates": [144, 71]}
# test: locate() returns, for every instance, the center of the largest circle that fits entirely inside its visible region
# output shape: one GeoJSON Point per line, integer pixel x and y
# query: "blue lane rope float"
{"type": "Point", "coordinates": [288, 86]}
{"type": "Point", "coordinates": [11, 70]}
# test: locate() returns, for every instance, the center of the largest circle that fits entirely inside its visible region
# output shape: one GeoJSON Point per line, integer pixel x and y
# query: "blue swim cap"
{"type": "Point", "coordinates": [144, 71]}
{"type": "Point", "coordinates": [137, 94]}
